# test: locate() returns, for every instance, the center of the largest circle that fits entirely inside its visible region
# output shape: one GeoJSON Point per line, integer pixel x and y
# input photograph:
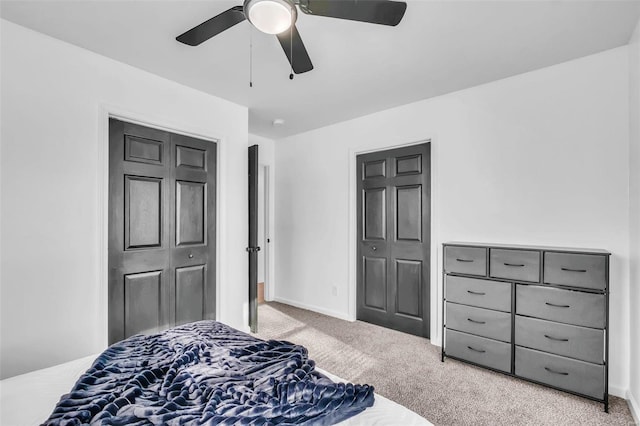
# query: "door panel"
{"type": "Point", "coordinates": [394, 238]}
{"type": "Point", "coordinates": [142, 302]}
{"type": "Point", "coordinates": [190, 157]}
{"type": "Point", "coordinates": [190, 285]}
{"type": "Point", "coordinates": [161, 229]}
{"type": "Point", "coordinates": [409, 165]}
{"type": "Point", "coordinates": [142, 212]}
{"type": "Point", "coordinates": [190, 213]}
{"type": "Point", "coordinates": [409, 213]}
{"type": "Point", "coordinates": [374, 214]}
{"type": "Point", "coordinates": [409, 279]}
{"type": "Point", "coordinates": [375, 282]}
{"type": "Point", "coordinates": [374, 169]}
{"type": "Point", "coordinates": [142, 150]}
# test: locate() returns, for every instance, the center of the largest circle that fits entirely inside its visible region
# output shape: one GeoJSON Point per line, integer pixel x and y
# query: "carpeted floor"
{"type": "Point", "coordinates": [407, 369]}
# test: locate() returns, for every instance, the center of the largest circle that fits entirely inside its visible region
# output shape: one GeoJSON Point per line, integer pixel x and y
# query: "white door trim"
{"type": "Point", "coordinates": [435, 276]}
{"type": "Point", "coordinates": [267, 249]}
{"type": "Point", "coordinates": [106, 111]}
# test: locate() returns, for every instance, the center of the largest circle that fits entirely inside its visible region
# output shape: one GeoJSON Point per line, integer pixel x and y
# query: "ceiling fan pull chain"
{"type": "Point", "coordinates": [291, 46]}
{"type": "Point", "coordinates": [250, 56]}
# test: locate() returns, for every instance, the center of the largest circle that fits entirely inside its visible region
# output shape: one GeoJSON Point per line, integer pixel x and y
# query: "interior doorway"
{"type": "Point", "coordinates": [263, 234]}
{"type": "Point", "coordinates": [394, 238]}
{"type": "Point", "coordinates": [259, 235]}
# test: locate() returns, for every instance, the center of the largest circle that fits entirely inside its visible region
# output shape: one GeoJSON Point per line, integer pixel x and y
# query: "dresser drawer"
{"type": "Point", "coordinates": [586, 344]}
{"type": "Point", "coordinates": [465, 260]}
{"type": "Point", "coordinates": [478, 321]}
{"type": "Point", "coordinates": [520, 265]}
{"type": "Point", "coordinates": [570, 374]}
{"type": "Point", "coordinates": [579, 270]}
{"type": "Point", "coordinates": [487, 352]}
{"type": "Point", "coordinates": [566, 306]}
{"type": "Point", "coordinates": [482, 293]}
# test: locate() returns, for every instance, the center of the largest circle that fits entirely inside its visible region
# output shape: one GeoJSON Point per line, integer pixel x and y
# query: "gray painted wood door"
{"type": "Point", "coordinates": [162, 229]}
{"type": "Point", "coordinates": [253, 247]}
{"type": "Point", "coordinates": [394, 238]}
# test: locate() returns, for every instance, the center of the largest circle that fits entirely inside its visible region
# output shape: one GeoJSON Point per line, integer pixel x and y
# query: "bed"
{"type": "Point", "coordinates": [31, 398]}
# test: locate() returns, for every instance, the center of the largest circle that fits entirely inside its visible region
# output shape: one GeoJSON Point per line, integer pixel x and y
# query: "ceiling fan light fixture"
{"type": "Point", "coordinates": [270, 16]}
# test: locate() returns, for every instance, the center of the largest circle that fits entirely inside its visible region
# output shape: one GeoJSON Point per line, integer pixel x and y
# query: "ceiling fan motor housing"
{"type": "Point", "coordinates": [271, 16]}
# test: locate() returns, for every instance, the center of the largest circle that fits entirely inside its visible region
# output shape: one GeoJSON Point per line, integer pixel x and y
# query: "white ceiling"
{"type": "Point", "coordinates": [439, 47]}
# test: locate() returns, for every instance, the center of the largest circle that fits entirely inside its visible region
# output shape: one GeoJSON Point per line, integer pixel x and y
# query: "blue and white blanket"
{"type": "Point", "coordinates": [207, 373]}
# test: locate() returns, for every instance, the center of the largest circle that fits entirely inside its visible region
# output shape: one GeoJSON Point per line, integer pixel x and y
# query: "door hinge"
{"type": "Point", "coordinates": [253, 249]}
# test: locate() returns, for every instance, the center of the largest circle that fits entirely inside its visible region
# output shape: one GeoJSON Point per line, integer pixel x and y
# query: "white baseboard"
{"type": "Point", "coordinates": [618, 391]}
{"type": "Point", "coordinates": [633, 407]}
{"type": "Point", "coordinates": [313, 308]}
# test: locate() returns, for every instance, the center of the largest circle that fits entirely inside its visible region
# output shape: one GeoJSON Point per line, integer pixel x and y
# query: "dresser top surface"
{"type": "Point", "coordinates": [526, 247]}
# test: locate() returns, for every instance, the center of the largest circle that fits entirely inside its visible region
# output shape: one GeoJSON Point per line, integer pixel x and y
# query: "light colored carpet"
{"type": "Point", "coordinates": [407, 369]}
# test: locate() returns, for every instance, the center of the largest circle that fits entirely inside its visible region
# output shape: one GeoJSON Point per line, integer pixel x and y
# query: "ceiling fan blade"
{"type": "Point", "coordinates": [301, 61]}
{"type": "Point", "coordinates": [384, 12]}
{"type": "Point", "coordinates": [212, 27]}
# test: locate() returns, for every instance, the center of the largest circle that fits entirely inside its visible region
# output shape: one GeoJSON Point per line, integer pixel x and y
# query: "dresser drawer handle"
{"type": "Point", "coordinates": [555, 338]}
{"type": "Point", "coordinates": [562, 373]}
{"type": "Point", "coordinates": [518, 265]}
{"type": "Point", "coordinates": [477, 322]}
{"type": "Point", "coordinates": [557, 306]}
{"type": "Point", "coordinates": [479, 293]}
{"type": "Point", "coordinates": [464, 260]}
{"type": "Point", "coordinates": [573, 270]}
{"type": "Point", "coordinates": [476, 350]}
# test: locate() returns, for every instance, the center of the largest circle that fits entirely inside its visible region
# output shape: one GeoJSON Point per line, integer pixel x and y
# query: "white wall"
{"type": "Point", "coordinates": [539, 158]}
{"type": "Point", "coordinates": [266, 149]}
{"type": "Point", "coordinates": [266, 256]}
{"type": "Point", "coordinates": [54, 102]}
{"type": "Point", "coordinates": [634, 215]}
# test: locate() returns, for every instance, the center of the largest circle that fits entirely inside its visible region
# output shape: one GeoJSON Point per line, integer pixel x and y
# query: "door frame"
{"type": "Point", "coordinates": [266, 249]}
{"type": "Point", "coordinates": [106, 111]}
{"type": "Point", "coordinates": [436, 250]}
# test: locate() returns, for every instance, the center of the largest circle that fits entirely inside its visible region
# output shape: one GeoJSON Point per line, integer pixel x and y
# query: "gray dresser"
{"type": "Point", "coordinates": [538, 313]}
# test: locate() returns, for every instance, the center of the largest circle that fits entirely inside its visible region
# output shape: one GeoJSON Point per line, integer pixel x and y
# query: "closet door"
{"type": "Point", "coordinates": [394, 238]}
{"type": "Point", "coordinates": [161, 230]}
{"type": "Point", "coordinates": [193, 228]}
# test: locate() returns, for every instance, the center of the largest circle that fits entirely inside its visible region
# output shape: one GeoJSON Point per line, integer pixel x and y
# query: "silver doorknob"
{"type": "Point", "coordinates": [374, 248]}
{"type": "Point", "coordinates": [190, 256]}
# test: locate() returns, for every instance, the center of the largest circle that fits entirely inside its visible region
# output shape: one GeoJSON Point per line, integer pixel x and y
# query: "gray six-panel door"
{"type": "Point", "coordinates": [394, 238]}
{"type": "Point", "coordinates": [161, 229]}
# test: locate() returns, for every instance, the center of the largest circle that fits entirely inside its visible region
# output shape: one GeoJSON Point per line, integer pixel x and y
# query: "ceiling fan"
{"type": "Point", "coordinates": [278, 17]}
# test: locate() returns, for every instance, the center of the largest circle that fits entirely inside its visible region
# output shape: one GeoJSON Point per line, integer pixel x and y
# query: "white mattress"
{"type": "Point", "coordinates": [29, 399]}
